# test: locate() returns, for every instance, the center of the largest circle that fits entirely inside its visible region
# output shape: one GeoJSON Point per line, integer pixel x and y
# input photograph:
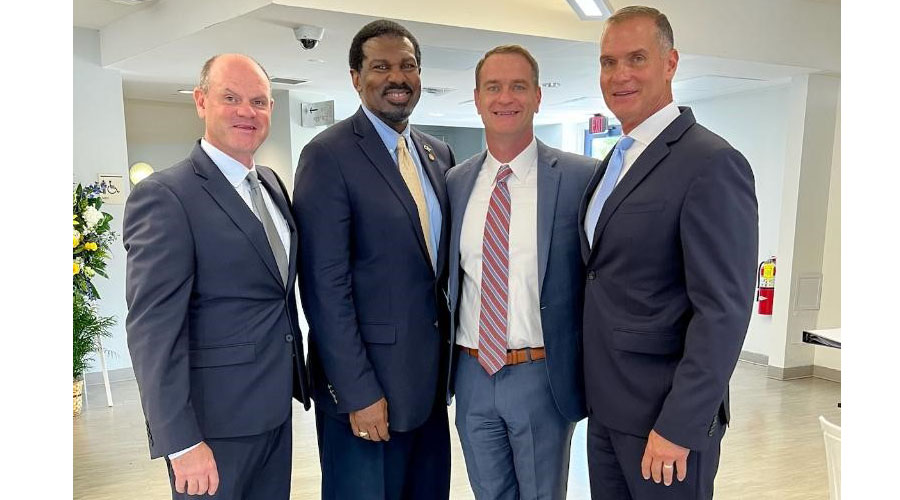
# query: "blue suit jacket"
{"type": "Point", "coordinates": [669, 288]}
{"type": "Point", "coordinates": [368, 287]}
{"type": "Point", "coordinates": [212, 330]}
{"type": "Point", "coordinates": [562, 178]}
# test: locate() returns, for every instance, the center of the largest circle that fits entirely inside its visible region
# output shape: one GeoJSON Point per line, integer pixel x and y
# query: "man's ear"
{"type": "Point", "coordinates": [200, 102]}
{"type": "Point", "coordinates": [354, 77]}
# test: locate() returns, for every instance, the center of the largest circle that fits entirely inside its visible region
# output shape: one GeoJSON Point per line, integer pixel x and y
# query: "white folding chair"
{"type": "Point", "coordinates": [832, 435]}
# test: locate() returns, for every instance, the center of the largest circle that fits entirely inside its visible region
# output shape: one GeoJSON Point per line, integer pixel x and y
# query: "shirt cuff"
{"type": "Point", "coordinates": [177, 454]}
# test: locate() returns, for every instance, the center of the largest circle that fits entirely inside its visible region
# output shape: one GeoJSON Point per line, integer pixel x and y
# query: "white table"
{"type": "Point", "coordinates": [830, 337]}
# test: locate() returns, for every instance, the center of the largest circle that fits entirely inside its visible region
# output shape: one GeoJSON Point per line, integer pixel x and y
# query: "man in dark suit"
{"type": "Point", "coordinates": [670, 243]}
{"type": "Point", "coordinates": [370, 201]}
{"type": "Point", "coordinates": [516, 291]}
{"type": "Point", "coordinates": [212, 325]}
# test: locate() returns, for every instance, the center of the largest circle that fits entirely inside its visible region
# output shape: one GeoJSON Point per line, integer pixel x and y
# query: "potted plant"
{"type": "Point", "coordinates": [91, 238]}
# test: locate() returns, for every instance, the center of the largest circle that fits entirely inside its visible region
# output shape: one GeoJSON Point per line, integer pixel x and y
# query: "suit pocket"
{"type": "Point", "coordinates": [378, 333]}
{"type": "Point", "coordinates": [661, 343]}
{"type": "Point", "coordinates": [641, 207]}
{"type": "Point", "coordinates": [235, 354]}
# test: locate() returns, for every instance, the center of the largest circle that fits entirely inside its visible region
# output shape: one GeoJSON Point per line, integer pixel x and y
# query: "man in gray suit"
{"type": "Point", "coordinates": [212, 323]}
{"type": "Point", "coordinates": [515, 291]}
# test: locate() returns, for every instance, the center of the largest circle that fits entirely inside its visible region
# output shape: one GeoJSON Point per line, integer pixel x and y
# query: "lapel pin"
{"type": "Point", "coordinates": [427, 148]}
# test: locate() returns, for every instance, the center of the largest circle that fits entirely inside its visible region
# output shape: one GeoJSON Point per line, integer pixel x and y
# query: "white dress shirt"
{"type": "Point", "coordinates": [523, 309]}
{"type": "Point", "coordinates": [647, 132]}
{"type": "Point", "coordinates": [236, 173]}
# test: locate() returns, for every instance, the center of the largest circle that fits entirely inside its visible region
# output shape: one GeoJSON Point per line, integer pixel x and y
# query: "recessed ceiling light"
{"type": "Point", "coordinates": [550, 85]}
{"type": "Point", "coordinates": [591, 10]}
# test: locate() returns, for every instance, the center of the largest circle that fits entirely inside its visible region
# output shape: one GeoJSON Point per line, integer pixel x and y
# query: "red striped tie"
{"type": "Point", "coordinates": [492, 327]}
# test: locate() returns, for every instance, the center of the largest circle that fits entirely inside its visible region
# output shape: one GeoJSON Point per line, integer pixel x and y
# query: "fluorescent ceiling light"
{"type": "Point", "coordinates": [185, 91]}
{"type": "Point", "coordinates": [591, 10]}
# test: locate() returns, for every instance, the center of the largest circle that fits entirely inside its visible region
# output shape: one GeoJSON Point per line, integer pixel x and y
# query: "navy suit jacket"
{"type": "Point", "coordinates": [367, 284]}
{"type": "Point", "coordinates": [213, 332]}
{"type": "Point", "coordinates": [562, 178]}
{"type": "Point", "coordinates": [669, 289]}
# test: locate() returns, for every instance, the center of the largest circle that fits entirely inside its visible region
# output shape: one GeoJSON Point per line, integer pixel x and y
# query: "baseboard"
{"type": "Point", "coordinates": [793, 372]}
{"type": "Point", "coordinates": [755, 358]}
{"type": "Point", "coordinates": [118, 375]}
{"type": "Point", "coordinates": [827, 373]}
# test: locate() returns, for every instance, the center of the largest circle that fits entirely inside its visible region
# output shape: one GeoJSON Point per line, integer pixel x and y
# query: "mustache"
{"type": "Point", "coordinates": [397, 86]}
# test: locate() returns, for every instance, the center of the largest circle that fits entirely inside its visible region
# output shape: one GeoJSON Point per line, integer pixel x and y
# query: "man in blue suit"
{"type": "Point", "coordinates": [516, 284]}
{"type": "Point", "coordinates": [213, 329]}
{"type": "Point", "coordinates": [670, 243]}
{"type": "Point", "coordinates": [372, 207]}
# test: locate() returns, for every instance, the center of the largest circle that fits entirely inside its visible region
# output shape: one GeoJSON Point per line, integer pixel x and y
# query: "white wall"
{"type": "Point", "coordinates": [830, 313]}
{"type": "Point", "coordinates": [99, 147]}
{"type": "Point", "coordinates": [756, 124]}
{"type": "Point", "coordinates": [161, 133]}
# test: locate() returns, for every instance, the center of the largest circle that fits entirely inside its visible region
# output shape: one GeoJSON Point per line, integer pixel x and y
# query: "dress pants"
{"type": "Point", "coordinates": [515, 441]}
{"type": "Point", "coordinates": [250, 467]}
{"type": "Point", "coordinates": [614, 468]}
{"type": "Point", "coordinates": [413, 465]}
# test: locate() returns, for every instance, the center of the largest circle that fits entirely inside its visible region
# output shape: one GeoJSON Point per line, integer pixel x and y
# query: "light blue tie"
{"type": "Point", "coordinates": [613, 170]}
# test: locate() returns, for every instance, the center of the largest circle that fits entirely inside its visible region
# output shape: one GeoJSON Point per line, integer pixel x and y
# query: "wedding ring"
{"type": "Point", "coordinates": [667, 466]}
{"type": "Point", "coordinates": [363, 434]}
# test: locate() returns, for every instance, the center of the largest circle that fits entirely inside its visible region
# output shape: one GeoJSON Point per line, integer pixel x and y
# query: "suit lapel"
{"type": "Point", "coordinates": [646, 162]}
{"type": "Point", "coordinates": [431, 166]}
{"type": "Point", "coordinates": [276, 190]}
{"type": "Point", "coordinates": [585, 201]}
{"type": "Point", "coordinates": [234, 206]}
{"type": "Point", "coordinates": [372, 145]}
{"type": "Point", "coordinates": [467, 176]}
{"type": "Point", "coordinates": [547, 192]}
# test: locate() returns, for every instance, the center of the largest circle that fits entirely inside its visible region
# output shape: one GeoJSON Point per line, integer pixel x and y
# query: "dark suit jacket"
{"type": "Point", "coordinates": [213, 332]}
{"type": "Point", "coordinates": [669, 286]}
{"type": "Point", "coordinates": [368, 287]}
{"type": "Point", "coordinates": [562, 178]}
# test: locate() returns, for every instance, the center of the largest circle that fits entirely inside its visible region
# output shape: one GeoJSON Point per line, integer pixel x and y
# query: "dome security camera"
{"type": "Point", "coordinates": [309, 36]}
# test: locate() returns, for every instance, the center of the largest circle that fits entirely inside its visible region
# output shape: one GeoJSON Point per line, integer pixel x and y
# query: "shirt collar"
{"type": "Point", "coordinates": [388, 135]}
{"type": "Point", "coordinates": [521, 165]}
{"type": "Point", "coordinates": [232, 169]}
{"type": "Point", "coordinates": [650, 128]}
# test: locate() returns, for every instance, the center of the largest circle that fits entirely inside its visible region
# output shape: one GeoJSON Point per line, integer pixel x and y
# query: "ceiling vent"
{"type": "Point", "coordinates": [132, 2]}
{"type": "Point", "coordinates": [288, 81]}
{"type": "Point", "coordinates": [437, 91]}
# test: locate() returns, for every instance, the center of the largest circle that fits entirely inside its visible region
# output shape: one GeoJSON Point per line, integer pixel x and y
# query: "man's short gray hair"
{"type": "Point", "coordinates": [663, 28]}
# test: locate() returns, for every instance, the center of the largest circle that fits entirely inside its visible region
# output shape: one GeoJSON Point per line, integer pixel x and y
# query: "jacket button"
{"type": "Point", "coordinates": [435, 324]}
{"type": "Point", "coordinates": [591, 275]}
{"type": "Point", "coordinates": [289, 338]}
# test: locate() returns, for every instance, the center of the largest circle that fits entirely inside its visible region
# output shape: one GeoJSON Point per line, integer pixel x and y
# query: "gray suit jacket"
{"type": "Point", "coordinates": [212, 330]}
{"type": "Point", "coordinates": [562, 179]}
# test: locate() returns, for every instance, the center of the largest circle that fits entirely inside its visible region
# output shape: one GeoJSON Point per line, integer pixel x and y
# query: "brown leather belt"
{"type": "Point", "coordinates": [513, 356]}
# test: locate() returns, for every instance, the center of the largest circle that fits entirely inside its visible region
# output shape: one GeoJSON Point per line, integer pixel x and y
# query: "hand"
{"type": "Point", "coordinates": [197, 470]}
{"type": "Point", "coordinates": [659, 453]}
{"type": "Point", "coordinates": [372, 421]}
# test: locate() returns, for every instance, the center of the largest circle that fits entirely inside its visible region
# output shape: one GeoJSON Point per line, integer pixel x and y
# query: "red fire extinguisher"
{"type": "Point", "coordinates": [765, 291]}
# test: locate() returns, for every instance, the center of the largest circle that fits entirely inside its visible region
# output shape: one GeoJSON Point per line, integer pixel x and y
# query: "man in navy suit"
{"type": "Point", "coordinates": [213, 329]}
{"type": "Point", "coordinates": [370, 200]}
{"type": "Point", "coordinates": [669, 238]}
{"type": "Point", "coordinates": [516, 285]}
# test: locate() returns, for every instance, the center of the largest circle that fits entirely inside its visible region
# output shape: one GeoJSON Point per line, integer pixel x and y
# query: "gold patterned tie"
{"type": "Point", "coordinates": [411, 177]}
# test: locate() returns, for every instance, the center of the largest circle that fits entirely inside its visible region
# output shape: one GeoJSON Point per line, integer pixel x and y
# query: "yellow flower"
{"type": "Point", "coordinates": [76, 238]}
{"type": "Point", "coordinates": [75, 268]}
{"type": "Point", "coordinates": [74, 219]}
{"type": "Point", "coordinates": [90, 246]}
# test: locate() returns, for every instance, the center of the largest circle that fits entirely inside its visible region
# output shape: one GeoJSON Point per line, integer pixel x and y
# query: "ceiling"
{"type": "Point", "coordinates": [449, 55]}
